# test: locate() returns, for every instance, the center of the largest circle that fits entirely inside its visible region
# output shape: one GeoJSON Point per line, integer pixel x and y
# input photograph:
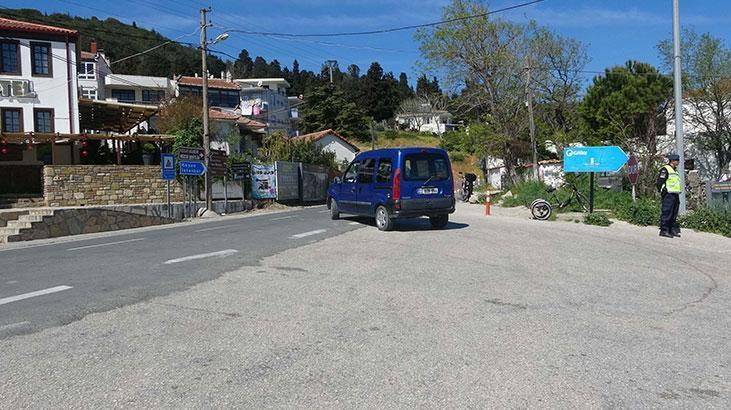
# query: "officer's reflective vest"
{"type": "Point", "coordinates": [672, 184]}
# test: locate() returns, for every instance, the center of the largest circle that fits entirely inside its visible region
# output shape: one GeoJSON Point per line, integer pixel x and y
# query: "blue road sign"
{"type": "Point", "coordinates": [167, 161]}
{"type": "Point", "coordinates": [593, 159]}
{"type": "Point", "coordinates": [194, 168]}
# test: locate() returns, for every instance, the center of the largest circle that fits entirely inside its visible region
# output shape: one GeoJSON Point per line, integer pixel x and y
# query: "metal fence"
{"type": "Point", "coordinates": [301, 182]}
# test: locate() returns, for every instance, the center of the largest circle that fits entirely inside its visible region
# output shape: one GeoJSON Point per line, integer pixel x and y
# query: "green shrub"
{"type": "Point", "coordinates": [457, 156]}
{"type": "Point", "coordinates": [644, 212]}
{"type": "Point", "coordinates": [598, 219]}
{"type": "Point", "coordinates": [715, 217]}
{"type": "Point", "coordinates": [524, 193]}
{"type": "Point", "coordinates": [148, 148]}
{"type": "Point", "coordinates": [390, 134]}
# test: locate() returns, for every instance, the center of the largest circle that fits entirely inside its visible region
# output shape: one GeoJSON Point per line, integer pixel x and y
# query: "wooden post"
{"type": "Point", "coordinates": [53, 149]}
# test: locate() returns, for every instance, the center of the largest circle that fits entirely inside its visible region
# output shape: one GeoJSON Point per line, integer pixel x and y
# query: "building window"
{"type": "Point", "coordinates": [43, 120]}
{"type": "Point", "coordinates": [153, 95]}
{"type": "Point", "coordinates": [189, 90]}
{"type": "Point", "coordinates": [9, 57]}
{"type": "Point", "coordinates": [87, 71]}
{"type": "Point", "coordinates": [89, 93]}
{"type": "Point", "coordinates": [12, 119]}
{"type": "Point", "coordinates": [40, 56]}
{"type": "Point", "coordinates": [123, 95]}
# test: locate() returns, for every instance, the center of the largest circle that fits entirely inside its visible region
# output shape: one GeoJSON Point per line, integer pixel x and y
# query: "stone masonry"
{"type": "Point", "coordinates": [83, 185]}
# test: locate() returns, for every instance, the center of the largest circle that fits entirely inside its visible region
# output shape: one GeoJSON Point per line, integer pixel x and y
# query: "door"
{"type": "Point", "coordinates": [347, 198]}
{"type": "Point", "coordinates": [427, 182]}
{"type": "Point", "coordinates": [365, 194]}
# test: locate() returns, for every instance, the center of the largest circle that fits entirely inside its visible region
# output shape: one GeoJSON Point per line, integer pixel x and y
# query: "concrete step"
{"type": "Point", "coordinates": [19, 224]}
{"type": "Point", "coordinates": [41, 212]}
{"type": "Point", "coordinates": [9, 231]}
{"type": "Point", "coordinates": [31, 218]}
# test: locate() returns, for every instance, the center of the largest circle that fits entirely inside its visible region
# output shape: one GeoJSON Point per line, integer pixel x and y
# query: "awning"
{"type": "Point", "coordinates": [38, 137]}
{"type": "Point", "coordinates": [113, 116]}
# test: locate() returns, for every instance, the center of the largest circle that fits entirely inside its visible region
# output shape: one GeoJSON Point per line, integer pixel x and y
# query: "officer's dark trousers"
{"type": "Point", "coordinates": [669, 216]}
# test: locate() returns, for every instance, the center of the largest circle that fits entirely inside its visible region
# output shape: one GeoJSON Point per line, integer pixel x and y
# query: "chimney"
{"type": "Point", "coordinates": [195, 74]}
{"type": "Point", "coordinates": [92, 47]}
{"type": "Point", "coordinates": [223, 75]}
{"type": "Point", "coordinates": [229, 76]}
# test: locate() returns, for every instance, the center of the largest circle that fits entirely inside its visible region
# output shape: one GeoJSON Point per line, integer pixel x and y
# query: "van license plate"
{"type": "Point", "coordinates": [427, 191]}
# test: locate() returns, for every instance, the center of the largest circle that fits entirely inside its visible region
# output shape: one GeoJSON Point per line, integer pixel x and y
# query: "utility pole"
{"type": "Point", "coordinates": [206, 136]}
{"type": "Point", "coordinates": [330, 65]}
{"type": "Point", "coordinates": [531, 122]}
{"type": "Point", "coordinates": [679, 143]}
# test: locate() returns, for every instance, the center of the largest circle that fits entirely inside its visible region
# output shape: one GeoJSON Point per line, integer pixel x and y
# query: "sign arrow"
{"type": "Point", "coordinates": [194, 168]}
{"type": "Point", "coordinates": [593, 159]}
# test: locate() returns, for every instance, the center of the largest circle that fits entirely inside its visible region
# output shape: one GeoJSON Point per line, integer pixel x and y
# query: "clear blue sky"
{"type": "Point", "coordinates": [614, 30]}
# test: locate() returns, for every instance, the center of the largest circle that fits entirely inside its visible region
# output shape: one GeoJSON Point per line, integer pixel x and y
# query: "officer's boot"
{"type": "Point", "coordinates": [666, 233]}
{"type": "Point", "coordinates": [675, 231]}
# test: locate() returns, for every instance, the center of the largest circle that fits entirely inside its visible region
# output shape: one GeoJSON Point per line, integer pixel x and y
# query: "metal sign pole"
{"type": "Point", "coordinates": [195, 197]}
{"type": "Point", "coordinates": [225, 194]}
{"type": "Point", "coordinates": [185, 197]}
{"type": "Point", "coordinates": [591, 193]}
{"type": "Point", "coordinates": [170, 211]}
{"type": "Point", "coordinates": [634, 194]}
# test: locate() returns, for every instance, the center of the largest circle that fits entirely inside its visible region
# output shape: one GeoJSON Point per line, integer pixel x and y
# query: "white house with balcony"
{"type": "Point", "coordinates": [426, 119]}
{"type": "Point", "coordinates": [38, 98]}
{"type": "Point", "coordinates": [265, 100]}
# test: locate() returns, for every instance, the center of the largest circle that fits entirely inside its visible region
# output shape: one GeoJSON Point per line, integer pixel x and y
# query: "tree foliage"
{"type": "Point", "coordinates": [626, 106]}
{"type": "Point", "coordinates": [278, 147]}
{"type": "Point", "coordinates": [327, 108]}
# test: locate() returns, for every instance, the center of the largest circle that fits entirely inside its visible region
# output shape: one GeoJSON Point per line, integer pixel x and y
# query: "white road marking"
{"type": "Point", "coordinates": [105, 244]}
{"type": "Point", "coordinates": [14, 326]}
{"type": "Point", "coordinates": [283, 217]}
{"type": "Point", "coordinates": [354, 223]}
{"type": "Point", "coordinates": [322, 212]}
{"type": "Point", "coordinates": [28, 295]}
{"type": "Point", "coordinates": [11, 282]}
{"type": "Point", "coordinates": [213, 228]}
{"type": "Point", "coordinates": [310, 233]}
{"type": "Point", "coordinates": [219, 254]}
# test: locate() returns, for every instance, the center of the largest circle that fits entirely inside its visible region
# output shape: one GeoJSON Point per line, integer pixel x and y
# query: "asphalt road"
{"type": "Point", "coordinates": [85, 276]}
{"type": "Point", "coordinates": [492, 312]}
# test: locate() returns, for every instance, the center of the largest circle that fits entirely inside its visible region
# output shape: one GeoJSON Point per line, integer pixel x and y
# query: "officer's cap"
{"type": "Point", "coordinates": [673, 157]}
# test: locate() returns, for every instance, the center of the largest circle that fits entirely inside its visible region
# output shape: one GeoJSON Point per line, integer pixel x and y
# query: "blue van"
{"type": "Point", "coordinates": [395, 183]}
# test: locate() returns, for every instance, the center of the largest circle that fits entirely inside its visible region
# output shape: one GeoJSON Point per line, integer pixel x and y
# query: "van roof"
{"type": "Point", "coordinates": [404, 150]}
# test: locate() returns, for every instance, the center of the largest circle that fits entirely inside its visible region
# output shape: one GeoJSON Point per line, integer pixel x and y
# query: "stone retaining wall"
{"type": "Point", "coordinates": [65, 222]}
{"type": "Point", "coordinates": [82, 185]}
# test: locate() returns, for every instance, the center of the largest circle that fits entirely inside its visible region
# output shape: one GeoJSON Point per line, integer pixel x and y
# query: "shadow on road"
{"type": "Point", "coordinates": [408, 225]}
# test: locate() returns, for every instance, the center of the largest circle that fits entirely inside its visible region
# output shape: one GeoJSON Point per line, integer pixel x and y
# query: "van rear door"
{"type": "Point", "coordinates": [427, 181]}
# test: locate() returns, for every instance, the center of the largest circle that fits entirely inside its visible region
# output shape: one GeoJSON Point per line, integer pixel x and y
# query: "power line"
{"type": "Point", "coordinates": [394, 29]}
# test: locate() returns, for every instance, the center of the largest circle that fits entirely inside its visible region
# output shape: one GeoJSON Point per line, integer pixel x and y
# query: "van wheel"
{"type": "Point", "coordinates": [383, 219]}
{"type": "Point", "coordinates": [439, 221]}
{"type": "Point", "coordinates": [334, 211]}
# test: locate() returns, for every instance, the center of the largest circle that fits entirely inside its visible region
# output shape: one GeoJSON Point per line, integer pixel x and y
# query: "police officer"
{"type": "Point", "coordinates": [668, 184]}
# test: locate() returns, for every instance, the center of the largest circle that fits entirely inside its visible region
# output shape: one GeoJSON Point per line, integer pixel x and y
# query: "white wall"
{"type": "Point", "coordinates": [343, 152]}
{"type": "Point", "coordinates": [52, 92]}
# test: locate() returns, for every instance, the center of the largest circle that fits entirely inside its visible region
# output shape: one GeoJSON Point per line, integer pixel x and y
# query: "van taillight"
{"type": "Point", "coordinates": [397, 185]}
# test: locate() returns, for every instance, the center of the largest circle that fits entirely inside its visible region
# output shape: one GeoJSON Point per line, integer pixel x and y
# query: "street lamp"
{"type": "Point", "coordinates": [206, 136]}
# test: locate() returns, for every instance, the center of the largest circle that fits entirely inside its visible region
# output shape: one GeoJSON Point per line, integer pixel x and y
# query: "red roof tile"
{"type": "Point", "coordinates": [212, 83]}
{"type": "Point", "coordinates": [315, 136]}
{"type": "Point", "coordinates": [26, 27]}
{"type": "Point", "coordinates": [215, 114]}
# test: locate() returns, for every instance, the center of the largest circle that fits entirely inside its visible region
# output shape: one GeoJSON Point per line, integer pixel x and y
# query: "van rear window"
{"type": "Point", "coordinates": [425, 166]}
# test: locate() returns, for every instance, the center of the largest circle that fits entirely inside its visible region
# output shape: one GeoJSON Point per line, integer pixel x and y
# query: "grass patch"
{"type": "Point", "coordinates": [597, 219]}
{"type": "Point", "coordinates": [714, 217]}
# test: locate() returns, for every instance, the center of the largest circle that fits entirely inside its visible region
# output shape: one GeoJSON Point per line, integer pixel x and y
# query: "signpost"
{"type": "Point", "coordinates": [167, 162]}
{"type": "Point", "coordinates": [633, 173]}
{"type": "Point", "coordinates": [591, 160]}
{"type": "Point", "coordinates": [191, 165]}
{"type": "Point", "coordinates": [241, 171]}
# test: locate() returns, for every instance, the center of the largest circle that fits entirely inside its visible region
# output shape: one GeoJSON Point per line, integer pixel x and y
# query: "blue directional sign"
{"type": "Point", "coordinates": [194, 168]}
{"type": "Point", "coordinates": [167, 161]}
{"type": "Point", "coordinates": [593, 159]}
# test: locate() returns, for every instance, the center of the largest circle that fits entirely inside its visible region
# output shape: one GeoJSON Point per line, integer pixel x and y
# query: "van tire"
{"type": "Point", "coordinates": [439, 221]}
{"type": "Point", "coordinates": [384, 222]}
{"type": "Point", "coordinates": [334, 211]}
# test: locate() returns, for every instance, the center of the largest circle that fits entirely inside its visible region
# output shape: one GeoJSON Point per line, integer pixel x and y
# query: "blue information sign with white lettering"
{"type": "Point", "coordinates": [593, 159]}
{"type": "Point", "coordinates": [167, 161]}
{"type": "Point", "coordinates": [193, 168]}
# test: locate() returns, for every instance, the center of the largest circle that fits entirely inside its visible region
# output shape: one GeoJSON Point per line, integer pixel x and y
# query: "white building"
{"type": "Point", "coordinates": [330, 140]}
{"type": "Point", "coordinates": [265, 100]}
{"type": "Point", "coordinates": [426, 120]}
{"type": "Point", "coordinates": [38, 90]}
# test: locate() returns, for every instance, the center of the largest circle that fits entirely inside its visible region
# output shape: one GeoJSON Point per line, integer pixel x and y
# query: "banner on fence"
{"type": "Point", "coordinates": [263, 181]}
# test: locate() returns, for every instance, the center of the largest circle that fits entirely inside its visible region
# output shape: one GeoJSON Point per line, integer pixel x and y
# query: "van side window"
{"type": "Point", "coordinates": [366, 171]}
{"type": "Point", "coordinates": [351, 172]}
{"type": "Point", "coordinates": [384, 170]}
